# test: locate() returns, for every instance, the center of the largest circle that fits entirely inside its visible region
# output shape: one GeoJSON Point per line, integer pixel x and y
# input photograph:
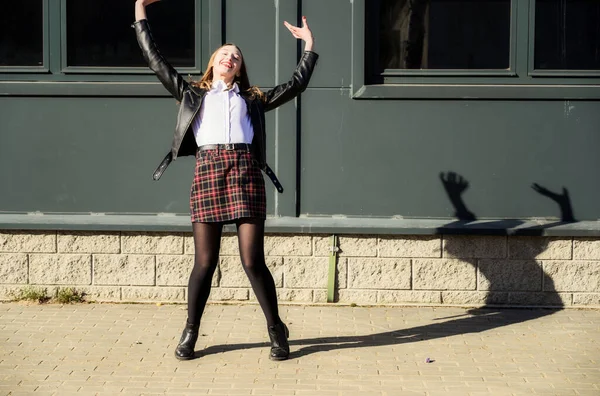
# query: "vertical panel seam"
{"type": "Point", "coordinates": [277, 65]}
{"type": "Point", "coordinates": [223, 21]}
{"type": "Point", "coordinates": [298, 125]}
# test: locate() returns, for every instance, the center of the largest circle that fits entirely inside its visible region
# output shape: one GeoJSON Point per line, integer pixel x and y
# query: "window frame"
{"type": "Point", "coordinates": [390, 74]}
{"type": "Point", "coordinates": [473, 84]}
{"type": "Point", "coordinates": [44, 68]}
{"type": "Point", "coordinates": [55, 79]}
{"type": "Point", "coordinates": [66, 69]}
{"type": "Point", "coordinates": [533, 72]}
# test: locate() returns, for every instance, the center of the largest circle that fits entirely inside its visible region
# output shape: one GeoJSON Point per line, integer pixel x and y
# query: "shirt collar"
{"type": "Point", "coordinates": [219, 86]}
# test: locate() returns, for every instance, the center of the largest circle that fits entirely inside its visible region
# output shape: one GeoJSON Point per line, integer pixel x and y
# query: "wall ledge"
{"type": "Point", "coordinates": [306, 225]}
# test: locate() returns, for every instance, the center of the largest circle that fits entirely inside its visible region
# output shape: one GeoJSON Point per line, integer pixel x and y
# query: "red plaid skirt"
{"type": "Point", "coordinates": [227, 185]}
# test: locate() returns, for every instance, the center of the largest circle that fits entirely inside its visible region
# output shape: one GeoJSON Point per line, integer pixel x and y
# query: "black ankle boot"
{"type": "Point", "coordinates": [280, 349]}
{"type": "Point", "coordinates": [185, 348]}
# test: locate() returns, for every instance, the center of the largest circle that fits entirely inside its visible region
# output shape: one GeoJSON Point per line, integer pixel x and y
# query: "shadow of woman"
{"type": "Point", "coordinates": [518, 279]}
{"type": "Point", "coordinates": [515, 277]}
{"type": "Point", "coordinates": [508, 271]}
{"type": "Point", "coordinates": [474, 321]}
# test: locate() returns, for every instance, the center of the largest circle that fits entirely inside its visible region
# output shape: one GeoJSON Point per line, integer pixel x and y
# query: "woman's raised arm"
{"type": "Point", "coordinates": [299, 81]}
{"type": "Point", "coordinates": [167, 75]}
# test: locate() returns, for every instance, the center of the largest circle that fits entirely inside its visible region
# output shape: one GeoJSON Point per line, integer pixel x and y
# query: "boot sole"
{"type": "Point", "coordinates": [278, 359]}
{"type": "Point", "coordinates": [184, 357]}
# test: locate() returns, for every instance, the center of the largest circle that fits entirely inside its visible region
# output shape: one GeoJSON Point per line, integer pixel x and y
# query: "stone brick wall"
{"type": "Point", "coordinates": [131, 267]}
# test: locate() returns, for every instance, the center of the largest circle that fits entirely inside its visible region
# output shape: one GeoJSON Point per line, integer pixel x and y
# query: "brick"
{"type": "Point", "coordinates": [280, 245]}
{"type": "Point", "coordinates": [510, 275]}
{"type": "Point", "coordinates": [540, 299]}
{"type": "Point", "coordinates": [540, 248]}
{"type": "Point", "coordinates": [9, 292]}
{"type": "Point", "coordinates": [443, 274]}
{"type": "Point", "coordinates": [357, 296]}
{"type": "Point", "coordinates": [176, 270]}
{"type": "Point", "coordinates": [88, 242]}
{"type": "Point", "coordinates": [229, 245]}
{"type": "Point", "coordinates": [51, 290]}
{"type": "Point", "coordinates": [13, 268]}
{"type": "Point", "coordinates": [580, 276]}
{"type": "Point", "coordinates": [474, 298]}
{"type": "Point", "coordinates": [322, 245]}
{"type": "Point", "coordinates": [233, 274]}
{"type": "Point", "coordinates": [586, 299]}
{"type": "Point", "coordinates": [341, 280]}
{"type": "Point", "coordinates": [379, 273]}
{"type": "Point", "coordinates": [67, 269]}
{"type": "Point", "coordinates": [152, 243]}
{"type": "Point", "coordinates": [227, 294]}
{"type": "Point", "coordinates": [188, 243]}
{"type": "Point", "coordinates": [409, 296]}
{"type": "Point", "coordinates": [104, 293]}
{"type": "Point", "coordinates": [124, 269]}
{"type": "Point", "coordinates": [306, 272]}
{"type": "Point", "coordinates": [410, 246]}
{"type": "Point", "coordinates": [152, 294]}
{"type": "Point", "coordinates": [583, 249]}
{"type": "Point", "coordinates": [319, 296]}
{"type": "Point", "coordinates": [295, 295]}
{"type": "Point", "coordinates": [28, 241]}
{"type": "Point", "coordinates": [474, 246]}
{"type": "Point", "coordinates": [357, 246]}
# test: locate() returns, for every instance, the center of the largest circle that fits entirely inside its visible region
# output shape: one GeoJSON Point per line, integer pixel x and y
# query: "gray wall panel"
{"type": "Point", "coordinates": [251, 26]}
{"type": "Point", "coordinates": [357, 157]}
{"type": "Point", "coordinates": [383, 158]}
{"type": "Point", "coordinates": [333, 45]}
{"type": "Point", "coordinates": [90, 155]}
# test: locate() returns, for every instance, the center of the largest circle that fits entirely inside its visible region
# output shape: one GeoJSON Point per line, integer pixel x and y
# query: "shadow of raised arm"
{"type": "Point", "coordinates": [563, 200]}
{"type": "Point", "coordinates": [455, 185]}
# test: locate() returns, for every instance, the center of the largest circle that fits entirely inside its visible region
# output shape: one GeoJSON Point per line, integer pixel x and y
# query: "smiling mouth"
{"type": "Point", "coordinates": [227, 64]}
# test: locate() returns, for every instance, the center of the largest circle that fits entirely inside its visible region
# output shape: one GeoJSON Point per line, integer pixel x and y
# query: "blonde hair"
{"type": "Point", "coordinates": [241, 78]}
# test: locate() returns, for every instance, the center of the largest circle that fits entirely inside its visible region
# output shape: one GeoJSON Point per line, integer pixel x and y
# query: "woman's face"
{"type": "Point", "coordinates": [227, 63]}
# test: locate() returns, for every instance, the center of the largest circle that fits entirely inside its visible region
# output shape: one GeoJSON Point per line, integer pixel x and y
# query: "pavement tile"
{"type": "Point", "coordinates": [127, 349]}
{"type": "Point", "coordinates": [585, 392]}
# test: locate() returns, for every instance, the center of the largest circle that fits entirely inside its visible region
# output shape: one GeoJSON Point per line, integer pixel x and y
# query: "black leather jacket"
{"type": "Point", "coordinates": [191, 98]}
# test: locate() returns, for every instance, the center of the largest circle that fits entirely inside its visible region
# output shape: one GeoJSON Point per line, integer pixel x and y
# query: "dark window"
{"type": "Point", "coordinates": [99, 33]}
{"type": "Point", "coordinates": [567, 34]}
{"type": "Point", "coordinates": [439, 34]}
{"type": "Point", "coordinates": [21, 33]}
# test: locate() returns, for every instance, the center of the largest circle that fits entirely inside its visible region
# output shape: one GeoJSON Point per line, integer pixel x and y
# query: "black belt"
{"type": "Point", "coordinates": [226, 146]}
{"type": "Point", "coordinates": [244, 147]}
{"type": "Point", "coordinates": [273, 178]}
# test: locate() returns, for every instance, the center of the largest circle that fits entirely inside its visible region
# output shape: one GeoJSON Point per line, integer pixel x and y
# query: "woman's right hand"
{"type": "Point", "coordinates": [140, 8]}
{"type": "Point", "coordinates": [146, 2]}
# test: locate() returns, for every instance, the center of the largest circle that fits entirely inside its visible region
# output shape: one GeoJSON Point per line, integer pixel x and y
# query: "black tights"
{"type": "Point", "coordinates": [207, 242]}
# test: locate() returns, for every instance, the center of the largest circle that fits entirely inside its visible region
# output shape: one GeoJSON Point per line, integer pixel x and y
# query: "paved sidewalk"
{"type": "Point", "coordinates": [128, 349]}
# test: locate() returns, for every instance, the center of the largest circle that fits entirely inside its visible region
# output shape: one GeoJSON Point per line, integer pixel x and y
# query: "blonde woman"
{"type": "Point", "coordinates": [222, 122]}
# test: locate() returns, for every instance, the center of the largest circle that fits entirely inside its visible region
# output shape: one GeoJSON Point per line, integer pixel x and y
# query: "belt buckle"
{"type": "Point", "coordinates": [229, 146]}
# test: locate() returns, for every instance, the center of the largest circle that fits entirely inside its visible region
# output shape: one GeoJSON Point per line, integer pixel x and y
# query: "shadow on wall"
{"type": "Point", "coordinates": [516, 278]}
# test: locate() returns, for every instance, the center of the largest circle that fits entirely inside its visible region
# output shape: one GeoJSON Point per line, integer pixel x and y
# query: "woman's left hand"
{"type": "Point", "coordinates": [303, 33]}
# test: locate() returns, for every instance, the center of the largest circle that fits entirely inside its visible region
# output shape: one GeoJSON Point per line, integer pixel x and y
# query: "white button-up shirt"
{"type": "Point", "coordinates": [223, 117]}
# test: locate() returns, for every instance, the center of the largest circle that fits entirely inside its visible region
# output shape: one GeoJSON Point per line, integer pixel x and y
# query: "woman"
{"type": "Point", "coordinates": [221, 120]}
